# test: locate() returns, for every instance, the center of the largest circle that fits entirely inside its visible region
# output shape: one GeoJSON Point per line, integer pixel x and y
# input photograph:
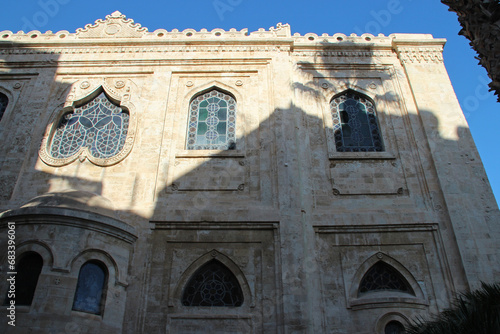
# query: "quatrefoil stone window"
{"type": "Point", "coordinates": [98, 125]}
{"type": "Point", "coordinates": [98, 130]}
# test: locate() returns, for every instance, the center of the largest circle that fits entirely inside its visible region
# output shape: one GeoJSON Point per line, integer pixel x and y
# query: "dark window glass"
{"type": "Point", "coordinates": [212, 122]}
{"type": "Point", "coordinates": [355, 124]}
{"type": "Point", "coordinates": [28, 270]}
{"type": "Point", "coordinates": [213, 285]}
{"type": "Point", "coordinates": [90, 290]}
{"type": "Point", "coordinates": [4, 100]}
{"type": "Point", "coordinates": [394, 327]}
{"type": "Point", "coordinates": [99, 125]}
{"type": "Point", "coordinates": [382, 276]}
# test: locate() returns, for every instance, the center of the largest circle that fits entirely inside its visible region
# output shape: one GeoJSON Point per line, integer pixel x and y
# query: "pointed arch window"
{"type": "Point", "coordinates": [90, 291]}
{"type": "Point", "coordinates": [212, 122]}
{"type": "Point", "coordinates": [213, 284]}
{"type": "Point", "coordinates": [355, 124]}
{"type": "Point", "coordinates": [382, 276]}
{"type": "Point", "coordinates": [99, 125]}
{"type": "Point", "coordinates": [4, 101]}
{"type": "Point", "coordinates": [28, 271]}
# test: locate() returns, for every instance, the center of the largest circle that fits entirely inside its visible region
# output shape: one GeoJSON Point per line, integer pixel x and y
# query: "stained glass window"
{"type": "Point", "coordinates": [382, 276]}
{"type": "Point", "coordinates": [355, 125]}
{"type": "Point", "coordinates": [212, 122]}
{"type": "Point", "coordinates": [90, 290]}
{"type": "Point", "coordinates": [99, 125]}
{"type": "Point", "coordinates": [394, 327]}
{"type": "Point", "coordinates": [28, 270]}
{"type": "Point", "coordinates": [4, 100]}
{"type": "Point", "coordinates": [213, 285]}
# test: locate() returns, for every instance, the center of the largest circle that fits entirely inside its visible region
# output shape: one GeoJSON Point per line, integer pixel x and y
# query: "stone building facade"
{"type": "Point", "coordinates": [235, 182]}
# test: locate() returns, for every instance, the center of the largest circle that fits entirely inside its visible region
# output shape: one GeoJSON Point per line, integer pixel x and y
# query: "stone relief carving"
{"type": "Point", "coordinates": [115, 25]}
{"type": "Point", "coordinates": [420, 55]}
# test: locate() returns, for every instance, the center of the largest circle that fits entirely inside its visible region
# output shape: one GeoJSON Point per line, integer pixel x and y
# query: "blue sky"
{"type": "Point", "coordinates": [355, 16]}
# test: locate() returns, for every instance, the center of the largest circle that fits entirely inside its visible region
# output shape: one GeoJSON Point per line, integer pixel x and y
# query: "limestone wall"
{"type": "Point", "coordinates": [296, 221]}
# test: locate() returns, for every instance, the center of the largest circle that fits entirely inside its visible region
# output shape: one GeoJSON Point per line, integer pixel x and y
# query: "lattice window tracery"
{"type": "Point", "coordinates": [213, 285]}
{"type": "Point", "coordinates": [212, 122]}
{"type": "Point", "coordinates": [355, 124]}
{"type": "Point", "coordinates": [382, 276]}
{"type": "Point", "coordinates": [99, 125]}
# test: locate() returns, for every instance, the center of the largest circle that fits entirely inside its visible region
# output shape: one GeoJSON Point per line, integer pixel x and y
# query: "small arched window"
{"type": "Point", "coordinates": [90, 291]}
{"type": "Point", "coordinates": [394, 327]}
{"type": "Point", "coordinates": [100, 125]}
{"type": "Point", "coordinates": [28, 271]}
{"type": "Point", "coordinates": [213, 284]}
{"type": "Point", "coordinates": [383, 276]}
{"type": "Point", "coordinates": [4, 101]}
{"type": "Point", "coordinates": [212, 122]}
{"type": "Point", "coordinates": [355, 124]}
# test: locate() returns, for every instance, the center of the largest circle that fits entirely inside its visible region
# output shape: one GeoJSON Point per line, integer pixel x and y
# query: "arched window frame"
{"type": "Point", "coordinates": [25, 284]}
{"type": "Point", "coordinates": [387, 318]}
{"type": "Point", "coordinates": [12, 90]}
{"type": "Point", "coordinates": [192, 282]}
{"type": "Point", "coordinates": [99, 308]}
{"type": "Point", "coordinates": [339, 124]}
{"type": "Point", "coordinates": [385, 107]}
{"type": "Point", "coordinates": [399, 325]}
{"type": "Point", "coordinates": [180, 114]}
{"type": "Point", "coordinates": [399, 278]}
{"type": "Point", "coordinates": [231, 119]}
{"type": "Point", "coordinates": [75, 101]}
{"type": "Point", "coordinates": [175, 299]}
{"type": "Point", "coordinates": [4, 103]}
{"type": "Point", "coordinates": [389, 298]}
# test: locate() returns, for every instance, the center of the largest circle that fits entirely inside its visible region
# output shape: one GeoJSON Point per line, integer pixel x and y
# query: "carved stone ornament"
{"type": "Point", "coordinates": [421, 55]}
{"type": "Point", "coordinates": [85, 85]}
{"type": "Point", "coordinates": [120, 84]}
{"type": "Point", "coordinates": [116, 25]}
{"type": "Point", "coordinates": [78, 96]}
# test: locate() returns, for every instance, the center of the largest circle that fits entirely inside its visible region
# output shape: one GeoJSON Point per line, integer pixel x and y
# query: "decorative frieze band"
{"type": "Point", "coordinates": [163, 49]}
{"type": "Point", "coordinates": [349, 54]}
{"type": "Point", "coordinates": [420, 55]}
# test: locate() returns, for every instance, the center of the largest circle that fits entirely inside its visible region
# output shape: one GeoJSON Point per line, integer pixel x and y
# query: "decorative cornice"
{"type": "Point", "coordinates": [345, 53]}
{"type": "Point", "coordinates": [414, 49]}
{"type": "Point", "coordinates": [420, 55]}
{"type": "Point", "coordinates": [70, 217]}
{"type": "Point", "coordinates": [116, 25]}
{"type": "Point", "coordinates": [146, 49]}
{"type": "Point", "coordinates": [117, 34]}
